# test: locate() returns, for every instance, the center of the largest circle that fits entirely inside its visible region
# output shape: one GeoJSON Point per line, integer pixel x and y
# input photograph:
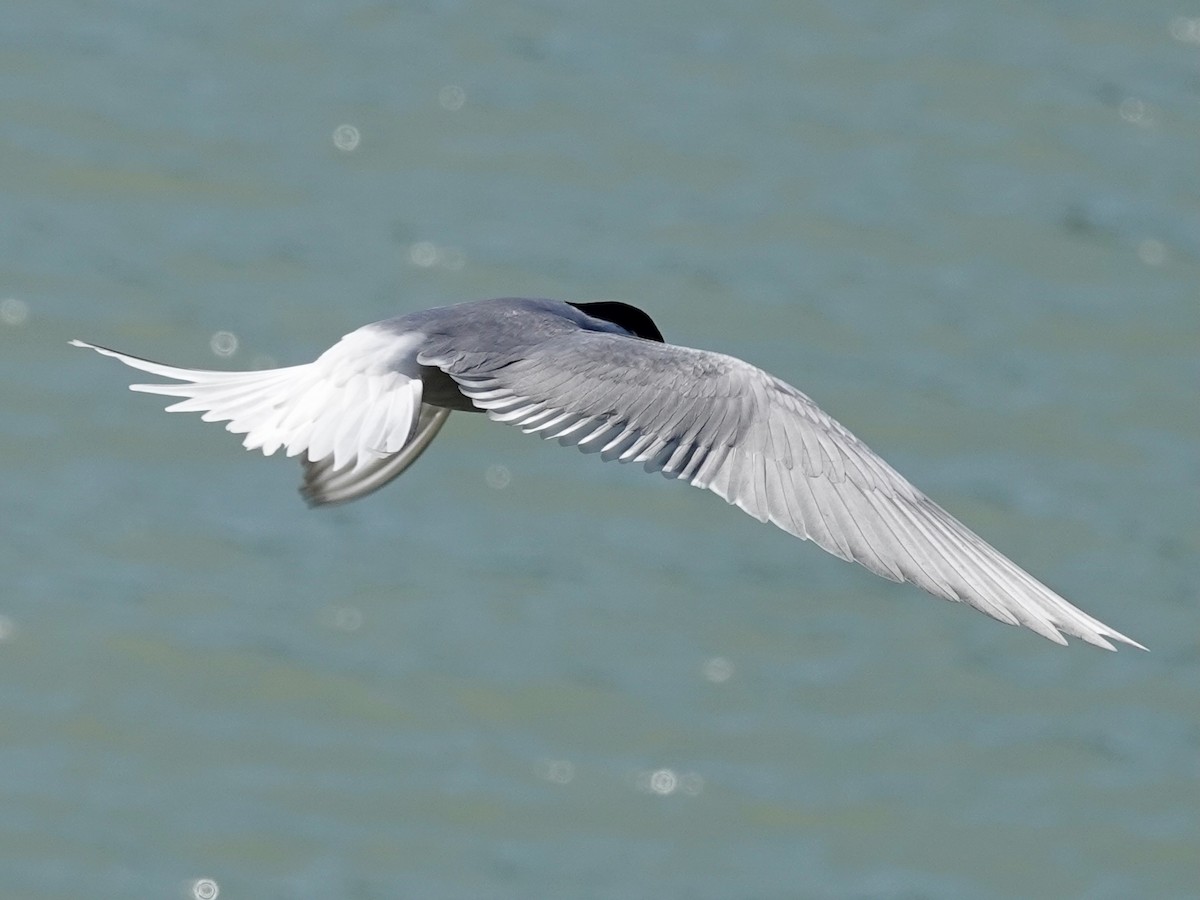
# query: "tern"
{"type": "Point", "coordinates": [600, 376]}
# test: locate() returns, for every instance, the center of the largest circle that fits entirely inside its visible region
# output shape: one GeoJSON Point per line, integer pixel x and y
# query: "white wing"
{"type": "Point", "coordinates": [724, 425]}
{"type": "Point", "coordinates": [326, 484]}
{"type": "Point", "coordinates": [354, 414]}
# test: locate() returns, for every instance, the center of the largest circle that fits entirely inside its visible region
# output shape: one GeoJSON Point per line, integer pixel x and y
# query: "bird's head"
{"type": "Point", "coordinates": [625, 316]}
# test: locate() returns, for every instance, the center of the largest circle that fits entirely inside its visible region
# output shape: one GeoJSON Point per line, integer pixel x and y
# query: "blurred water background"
{"type": "Point", "coordinates": [971, 230]}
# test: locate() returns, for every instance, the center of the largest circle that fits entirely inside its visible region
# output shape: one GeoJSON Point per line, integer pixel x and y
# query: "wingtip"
{"type": "Point", "coordinates": [1102, 640]}
{"type": "Point", "coordinates": [1130, 642]}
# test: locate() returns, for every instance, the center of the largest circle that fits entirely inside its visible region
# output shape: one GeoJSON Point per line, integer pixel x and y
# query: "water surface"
{"type": "Point", "coordinates": [970, 230]}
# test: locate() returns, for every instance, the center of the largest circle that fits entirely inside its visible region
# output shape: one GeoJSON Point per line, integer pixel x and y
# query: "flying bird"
{"type": "Point", "coordinates": [600, 377]}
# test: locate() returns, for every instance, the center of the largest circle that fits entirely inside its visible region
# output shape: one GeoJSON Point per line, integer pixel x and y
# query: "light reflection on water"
{"type": "Point", "coordinates": [223, 343]}
{"type": "Point", "coordinates": [718, 670]}
{"type": "Point", "coordinates": [452, 97]}
{"type": "Point", "coordinates": [13, 311]}
{"type": "Point", "coordinates": [665, 782]}
{"type": "Point", "coordinates": [517, 672]}
{"type": "Point", "coordinates": [346, 138]}
{"type": "Point", "coordinates": [557, 771]}
{"type": "Point", "coordinates": [498, 477]}
{"type": "Point", "coordinates": [426, 254]}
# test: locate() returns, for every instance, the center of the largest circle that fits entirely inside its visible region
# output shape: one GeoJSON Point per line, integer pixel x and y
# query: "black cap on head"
{"type": "Point", "coordinates": [623, 315]}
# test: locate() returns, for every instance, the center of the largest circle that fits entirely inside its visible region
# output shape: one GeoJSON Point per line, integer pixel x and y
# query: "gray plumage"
{"type": "Point", "coordinates": [367, 408]}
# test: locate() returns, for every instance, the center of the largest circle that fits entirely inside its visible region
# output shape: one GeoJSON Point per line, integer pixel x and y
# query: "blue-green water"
{"type": "Point", "coordinates": [970, 230]}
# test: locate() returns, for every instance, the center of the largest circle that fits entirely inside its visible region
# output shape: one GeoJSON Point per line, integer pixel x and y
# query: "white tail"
{"type": "Point", "coordinates": [359, 403]}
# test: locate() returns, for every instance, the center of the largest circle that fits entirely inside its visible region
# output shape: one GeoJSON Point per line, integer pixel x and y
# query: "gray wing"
{"type": "Point", "coordinates": [760, 444]}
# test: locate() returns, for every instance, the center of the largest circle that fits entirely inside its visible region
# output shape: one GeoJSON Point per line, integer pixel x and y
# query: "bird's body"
{"type": "Point", "coordinates": [600, 377]}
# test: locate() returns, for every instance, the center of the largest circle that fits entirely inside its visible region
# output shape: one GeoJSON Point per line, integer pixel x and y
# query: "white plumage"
{"type": "Point", "coordinates": [358, 403]}
{"type": "Point", "coordinates": [599, 377]}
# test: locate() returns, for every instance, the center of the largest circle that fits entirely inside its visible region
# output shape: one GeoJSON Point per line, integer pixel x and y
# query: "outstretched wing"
{"type": "Point", "coordinates": [354, 414]}
{"type": "Point", "coordinates": [722, 424]}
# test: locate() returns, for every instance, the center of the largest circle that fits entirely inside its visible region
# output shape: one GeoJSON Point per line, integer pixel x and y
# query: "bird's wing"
{"type": "Point", "coordinates": [352, 413]}
{"type": "Point", "coordinates": [722, 424]}
{"type": "Point", "coordinates": [325, 484]}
